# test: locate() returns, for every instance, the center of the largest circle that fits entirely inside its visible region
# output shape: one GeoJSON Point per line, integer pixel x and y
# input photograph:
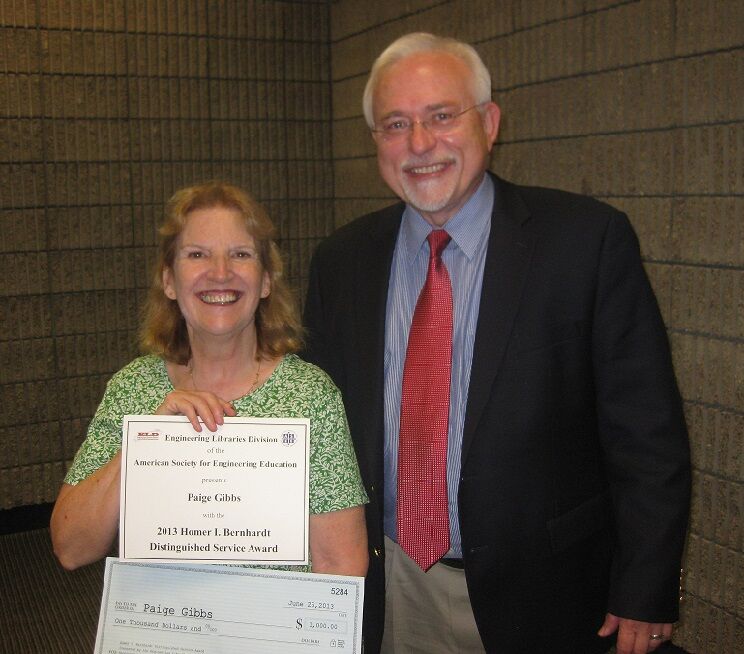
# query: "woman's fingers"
{"type": "Point", "coordinates": [196, 406]}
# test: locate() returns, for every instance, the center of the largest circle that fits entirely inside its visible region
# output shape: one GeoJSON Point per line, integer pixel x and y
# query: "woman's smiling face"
{"type": "Point", "coordinates": [217, 277]}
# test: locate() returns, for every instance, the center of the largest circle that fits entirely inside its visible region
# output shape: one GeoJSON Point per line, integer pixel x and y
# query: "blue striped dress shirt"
{"type": "Point", "coordinates": [464, 257]}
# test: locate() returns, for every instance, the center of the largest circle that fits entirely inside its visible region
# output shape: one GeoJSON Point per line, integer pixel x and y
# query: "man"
{"type": "Point", "coordinates": [509, 389]}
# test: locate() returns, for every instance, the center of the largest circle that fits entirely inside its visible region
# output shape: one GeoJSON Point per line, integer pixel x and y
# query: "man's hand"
{"type": "Point", "coordinates": [634, 636]}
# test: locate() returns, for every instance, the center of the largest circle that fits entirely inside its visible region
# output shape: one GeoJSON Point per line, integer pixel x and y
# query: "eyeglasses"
{"type": "Point", "coordinates": [440, 121]}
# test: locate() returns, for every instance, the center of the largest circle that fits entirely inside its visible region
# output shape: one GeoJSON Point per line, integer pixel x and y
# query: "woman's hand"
{"type": "Point", "coordinates": [194, 405]}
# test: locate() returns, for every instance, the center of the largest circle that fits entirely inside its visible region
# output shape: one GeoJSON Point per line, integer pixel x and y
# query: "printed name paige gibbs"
{"type": "Point", "coordinates": [159, 609]}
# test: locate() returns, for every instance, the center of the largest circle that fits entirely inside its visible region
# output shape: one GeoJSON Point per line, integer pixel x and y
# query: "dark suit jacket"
{"type": "Point", "coordinates": [574, 491]}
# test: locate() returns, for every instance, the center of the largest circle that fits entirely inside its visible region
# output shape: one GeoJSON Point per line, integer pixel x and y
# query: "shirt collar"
{"type": "Point", "coordinates": [467, 228]}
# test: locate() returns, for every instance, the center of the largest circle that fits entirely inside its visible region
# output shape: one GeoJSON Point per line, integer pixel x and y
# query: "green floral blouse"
{"type": "Point", "coordinates": [296, 389]}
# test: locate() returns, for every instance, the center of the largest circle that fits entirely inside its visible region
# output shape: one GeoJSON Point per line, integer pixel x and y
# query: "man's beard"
{"type": "Point", "coordinates": [429, 196]}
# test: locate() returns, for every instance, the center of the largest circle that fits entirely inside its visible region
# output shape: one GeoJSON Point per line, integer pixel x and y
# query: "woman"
{"type": "Point", "coordinates": [220, 331]}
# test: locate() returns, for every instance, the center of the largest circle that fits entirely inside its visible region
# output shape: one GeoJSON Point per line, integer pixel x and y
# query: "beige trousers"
{"type": "Point", "coordinates": [427, 612]}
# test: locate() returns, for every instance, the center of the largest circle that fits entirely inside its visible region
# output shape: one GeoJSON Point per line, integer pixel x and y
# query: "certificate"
{"type": "Point", "coordinates": [236, 495]}
{"type": "Point", "coordinates": [150, 608]}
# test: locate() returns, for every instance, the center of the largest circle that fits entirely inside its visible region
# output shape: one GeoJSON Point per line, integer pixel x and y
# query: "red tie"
{"type": "Point", "coordinates": [423, 515]}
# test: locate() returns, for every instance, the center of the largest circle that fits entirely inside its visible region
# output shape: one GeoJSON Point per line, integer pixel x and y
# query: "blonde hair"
{"type": "Point", "coordinates": [278, 327]}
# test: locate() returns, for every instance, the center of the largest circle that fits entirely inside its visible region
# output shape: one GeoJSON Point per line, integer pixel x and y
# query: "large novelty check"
{"type": "Point", "coordinates": [237, 495]}
{"type": "Point", "coordinates": [210, 609]}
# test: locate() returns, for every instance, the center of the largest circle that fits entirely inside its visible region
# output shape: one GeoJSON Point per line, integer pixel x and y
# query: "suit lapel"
{"type": "Point", "coordinates": [510, 249]}
{"type": "Point", "coordinates": [371, 279]}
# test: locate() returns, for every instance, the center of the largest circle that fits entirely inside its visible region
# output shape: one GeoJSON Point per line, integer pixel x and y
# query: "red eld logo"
{"type": "Point", "coordinates": [288, 438]}
{"type": "Point", "coordinates": [148, 435]}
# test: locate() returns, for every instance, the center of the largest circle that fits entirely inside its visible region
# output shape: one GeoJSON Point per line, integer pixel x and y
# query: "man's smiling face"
{"type": "Point", "coordinates": [436, 173]}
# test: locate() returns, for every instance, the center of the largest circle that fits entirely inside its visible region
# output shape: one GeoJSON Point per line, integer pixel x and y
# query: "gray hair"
{"type": "Point", "coordinates": [417, 42]}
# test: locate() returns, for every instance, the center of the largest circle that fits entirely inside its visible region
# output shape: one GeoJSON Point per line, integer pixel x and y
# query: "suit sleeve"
{"type": "Point", "coordinates": [643, 433]}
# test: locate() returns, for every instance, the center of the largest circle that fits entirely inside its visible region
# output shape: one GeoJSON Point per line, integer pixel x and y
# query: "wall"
{"type": "Point", "coordinates": [106, 108]}
{"type": "Point", "coordinates": [639, 103]}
